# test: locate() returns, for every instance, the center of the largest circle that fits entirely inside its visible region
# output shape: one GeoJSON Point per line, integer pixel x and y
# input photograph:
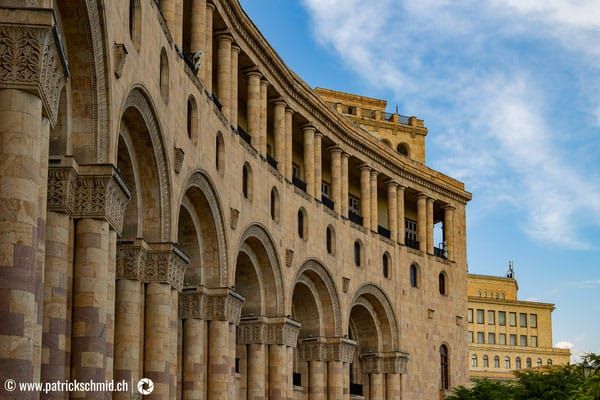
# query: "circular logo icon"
{"type": "Point", "coordinates": [10, 385]}
{"type": "Point", "coordinates": [145, 386]}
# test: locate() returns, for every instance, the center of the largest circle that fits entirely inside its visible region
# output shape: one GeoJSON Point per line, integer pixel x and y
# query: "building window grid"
{"type": "Point", "coordinates": [470, 315]}
{"type": "Point", "coordinates": [480, 317]}
{"type": "Point", "coordinates": [496, 362]}
{"type": "Point", "coordinates": [512, 319]}
{"type": "Point", "coordinates": [502, 339]}
{"type": "Point", "coordinates": [533, 341]}
{"type": "Point", "coordinates": [480, 337]}
{"type": "Point", "coordinates": [513, 340]}
{"type": "Point", "coordinates": [523, 341]}
{"type": "Point", "coordinates": [491, 317]}
{"type": "Point", "coordinates": [523, 320]}
{"type": "Point", "coordinates": [502, 318]}
{"type": "Point", "coordinates": [491, 338]}
{"type": "Point", "coordinates": [486, 361]}
{"type": "Point", "coordinates": [533, 320]}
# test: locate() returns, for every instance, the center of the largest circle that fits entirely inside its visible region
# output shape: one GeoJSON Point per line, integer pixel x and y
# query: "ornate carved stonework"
{"type": "Point", "coordinates": [326, 349]}
{"type": "Point", "coordinates": [220, 304]}
{"type": "Point", "coordinates": [393, 362]}
{"type": "Point", "coordinates": [165, 263]}
{"type": "Point", "coordinates": [30, 60]}
{"type": "Point", "coordinates": [234, 216]}
{"type": "Point", "coordinates": [131, 259]}
{"type": "Point", "coordinates": [179, 156]}
{"type": "Point", "coordinates": [269, 330]}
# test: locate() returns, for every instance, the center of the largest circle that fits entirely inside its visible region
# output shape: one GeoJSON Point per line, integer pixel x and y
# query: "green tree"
{"type": "Point", "coordinates": [485, 389]}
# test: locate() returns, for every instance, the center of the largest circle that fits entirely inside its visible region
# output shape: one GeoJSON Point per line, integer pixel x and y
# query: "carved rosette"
{"type": "Point", "coordinates": [269, 330]}
{"type": "Point", "coordinates": [165, 263]}
{"type": "Point", "coordinates": [326, 349]}
{"type": "Point", "coordinates": [30, 60]}
{"type": "Point", "coordinates": [131, 260]}
{"type": "Point", "coordinates": [384, 363]}
{"type": "Point", "coordinates": [219, 304]}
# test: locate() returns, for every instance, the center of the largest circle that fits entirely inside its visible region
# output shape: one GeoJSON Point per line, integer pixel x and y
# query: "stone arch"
{"type": "Point", "coordinates": [82, 29]}
{"type": "Point", "coordinates": [403, 148]}
{"type": "Point", "coordinates": [316, 280]}
{"type": "Point", "coordinates": [140, 133]}
{"type": "Point", "coordinates": [257, 265]}
{"type": "Point", "coordinates": [199, 199]}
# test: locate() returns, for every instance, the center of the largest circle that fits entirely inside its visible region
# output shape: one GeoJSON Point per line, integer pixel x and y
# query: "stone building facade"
{"type": "Point", "coordinates": [162, 215]}
{"type": "Point", "coordinates": [506, 334]}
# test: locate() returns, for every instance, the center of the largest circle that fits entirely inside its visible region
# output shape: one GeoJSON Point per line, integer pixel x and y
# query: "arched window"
{"type": "Point", "coordinates": [414, 276]}
{"type": "Point", "coordinates": [507, 362]}
{"type": "Point", "coordinates": [442, 283]}
{"type": "Point", "coordinates": [357, 254]}
{"type": "Point", "coordinates": [192, 119]}
{"type": "Point", "coordinates": [445, 376]}
{"type": "Point", "coordinates": [302, 224]}
{"type": "Point", "coordinates": [247, 181]}
{"type": "Point", "coordinates": [330, 240]}
{"type": "Point", "coordinates": [486, 361]}
{"type": "Point", "coordinates": [164, 76]}
{"type": "Point", "coordinates": [275, 205]}
{"type": "Point", "coordinates": [496, 362]}
{"type": "Point", "coordinates": [135, 25]}
{"type": "Point", "coordinates": [538, 362]}
{"type": "Point", "coordinates": [518, 363]}
{"type": "Point", "coordinates": [474, 361]}
{"type": "Point", "coordinates": [528, 362]}
{"type": "Point", "coordinates": [386, 265]}
{"type": "Point", "coordinates": [403, 149]}
{"type": "Point", "coordinates": [220, 153]}
{"type": "Point", "coordinates": [549, 362]}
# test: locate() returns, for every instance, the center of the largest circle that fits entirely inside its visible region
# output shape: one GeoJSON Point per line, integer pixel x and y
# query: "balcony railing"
{"type": "Point", "coordinates": [356, 389]}
{"type": "Point", "coordinates": [297, 379]}
{"type": "Point", "coordinates": [412, 243]}
{"type": "Point", "coordinates": [440, 252]}
{"type": "Point", "coordinates": [244, 135]}
{"type": "Point", "coordinates": [354, 217]}
{"type": "Point", "coordinates": [384, 232]}
{"type": "Point", "coordinates": [327, 201]}
{"type": "Point", "coordinates": [299, 183]}
{"type": "Point", "coordinates": [271, 161]}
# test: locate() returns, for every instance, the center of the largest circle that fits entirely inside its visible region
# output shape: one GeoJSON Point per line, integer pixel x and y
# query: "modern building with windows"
{"type": "Point", "coordinates": [507, 334]}
{"type": "Point", "coordinates": [177, 204]}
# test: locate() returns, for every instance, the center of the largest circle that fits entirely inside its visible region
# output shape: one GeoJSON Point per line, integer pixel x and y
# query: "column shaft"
{"type": "Point", "coordinates": [393, 388]}
{"type": "Point", "coordinates": [374, 205]}
{"type": "Point", "coordinates": [168, 10]}
{"type": "Point", "coordinates": [157, 341]}
{"type": "Point", "coordinates": [90, 278]}
{"type": "Point", "coordinates": [253, 107]}
{"type": "Point", "coordinates": [279, 133]}
{"type": "Point", "coordinates": [335, 380]}
{"type": "Point", "coordinates": [400, 208]}
{"type": "Point", "coordinates": [127, 332]}
{"type": "Point", "coordinates": [422, 222]}
{"type": "Point", "coordinates": [219, 360]}
{"type": "Point", "coordinates": [110, 305]}
{"type": "Point", "coordinates": [262, 126]}
{"type": "Point", "coordinates": [233, 383]}
{"type": "Point", "coordinates": [336, 178]}
{"type": "Point", "coordinates": [317, 380]}
{"type": "Point", "coordinates": [365, 195]}
{"type": "Point", "coordinates": [173, 344]}
{"type": "Point", "coordinates": [290, 376]}
{"type": "Point", "coordinates": [224, 73]}
{"type": "Point", "coordinates": [344, 179]}
{"type": "Point", "coordinates": [318, 166]}
{"type": "Point", "coordinates": [208, 55]}
{"type": "Point", "coordinates": [309, 159]}
{"type": "Point", "coordinates": [235, 51]}
{"type": "Point", "coordinates": [430, 243]}
{"type": "Point", "coordinates": [198, 22]}
{"type": "Point", "coordinates": [20, 277]}
{"type": "Point", "coordinates": [289, 136]}
{"type": "Point", "coordinates": [277, 372]}
{"type": "Point", "coordinates": [194, 356]}
{"type": "Point", "coordinates": [346, 375]}
{"type": "Point", "coordinates": [449, 231]}
{"type": "Point", "coordinates": [376, 387]}
{"type": "Point", "coordinates": [256, 371]}
{"type": "Point", "coordinates": [393, 210]}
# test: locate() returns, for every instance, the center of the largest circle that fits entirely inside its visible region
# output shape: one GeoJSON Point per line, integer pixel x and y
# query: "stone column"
{"type": "Point", "coordinates": [335, 380]}
{"type": "Point", "coordinates": [393, 388]}
{"type": "Point", "coordinates": [393, 209]}
{"type": "Point", "coordinates": [168, 8]}
{"type": "Point", "coordinates": [365, 195]}
{"type": "Point", "coordinates": [449, 230]}
{"type": "Point", "coordinates": [289, 136]}
{"type": "Point", "coordinates": [194, 355]}
{"type": "Point", "coordinates": [400, 208]}
{"type": "Point", "coordinates": [344, 179]}
{"type": "Point", "coordinates": [224, 42]}
{"type": "Point", "coordinates": [109, 308]}
{"type": "Point", "coordinates": [346, 375]}
{"type": "Point", "coordinates": [279, 133]}
{"type": "Point", "coordinates": [235, 51]}
{"type": "Point", "coordinates": [318, 166]}
{"type": "Point", "coordinates": [430, 243]}
{"type": "Point", "coordinates": [336, 178]}
{"type": "Point", "coordinates": [262, 126]}
{"type": "Point", "coordinates": [256, 371]}
{"type": "Point", "coordinates": [309, 158]}
{"type": "Point", "coordinates": [422, 221]}
{"type": "Point", "coordinates": [253, 107]}
{"type": "Point", "coordinates": [129, 294]}
{"type": "Point", "coordinates": [376, 386]}
{"type": "Point", "coordinates": [198, 22]}
{"type": "Point", "coordinates": [208, 54]}
{"type": "Point", "coordinates": [277, 372]}
{"type": "Point", "coordinates": [317, 380]}
{"type": "Point", "coordinates": [374, 208]}
{"type": "Point", "coordinates": [30, 86]}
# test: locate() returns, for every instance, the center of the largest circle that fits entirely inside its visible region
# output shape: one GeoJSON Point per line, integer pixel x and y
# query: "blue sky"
{"type": "Point", "coordinates": [510, 92]}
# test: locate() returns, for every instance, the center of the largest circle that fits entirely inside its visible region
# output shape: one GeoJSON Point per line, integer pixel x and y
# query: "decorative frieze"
{"type": "Point", "coordinates": [269, 330]}
{"type": "Point", "coordinates": [326, 349]}
{"type": "Point", "coordinates": [165, 263]}
{"type": "Point", "coordinates": [220, 304]}
{"type": "Point", "coordinates": [131, 259]}
{"type": "Point", "coordinates": [393, 362]}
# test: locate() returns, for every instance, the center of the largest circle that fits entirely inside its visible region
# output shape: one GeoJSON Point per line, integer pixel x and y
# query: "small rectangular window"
{"type": "Point", "coordinates": [470, 336]}
{"type": "Point", "coordinates": [354, 204]}
{"type": "Point", "coordinates": [512, 319]}
{"type": "Point", "coordinates": [491, 317]}
{"type": "Point", "coordinates": [470, 315]}
{"type": "Point", "coordinates": [480, 316]}
{"type": "Point", "coordinates": [491, 338]}
{"type": "Point", "coordinates": [410, 229]}
{"type": "Point", "coordinates": [502, 318]}
{"type": "Point", "coordinates": [295, 170]}
{"type": "Point", "coordinates": [513, 340]}
{"type": "Point", "coordinates": [533, 341]}
{"type": "Point", "coordinates": [523, 320]}
{"type": "Point", "coordinates": [480, 337]}
{"type": "Point", "coordinates": [523, 340]}
{"type": "Point", "coordinates": [533, 320]}
{"type": "Point", "coordinates": [502, 339]}
{"type": "Point", "coordinates": [326, 189]}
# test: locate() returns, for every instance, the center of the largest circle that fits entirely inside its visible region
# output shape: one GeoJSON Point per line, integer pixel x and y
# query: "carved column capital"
{"type": "Point", "coordinates": [165, 263]}
{"type": "Point", "coordinates": [32, 57]}
{"type": "Point", "coordinates": [131, 259]}
{"type": "Point", "coordinates": [326, 349]}
{"type": "Point", "coordinates": [393, 362]}
{"type": "Point", "coordinates": [269, 330]}
{"type": "Point", "coordinates": [219, 304]}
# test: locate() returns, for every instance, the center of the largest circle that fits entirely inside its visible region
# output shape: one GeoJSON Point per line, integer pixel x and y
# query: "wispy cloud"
{"type": "Point", "coordinates": [588, 284]}
{"type": "Point", "coordinates": [463, 64]}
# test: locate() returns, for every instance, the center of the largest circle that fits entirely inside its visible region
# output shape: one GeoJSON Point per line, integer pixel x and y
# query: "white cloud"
{"type": "Point", "coordinates": [564, 345]}
{"type": "Point", "coordinates": [589, 284]}
{"type": "Point", "coordinates": [447, 59]}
